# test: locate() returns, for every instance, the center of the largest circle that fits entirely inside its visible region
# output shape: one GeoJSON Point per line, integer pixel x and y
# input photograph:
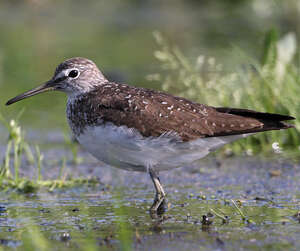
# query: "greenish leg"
{"type": "Point", "coordinates": [158, 206]}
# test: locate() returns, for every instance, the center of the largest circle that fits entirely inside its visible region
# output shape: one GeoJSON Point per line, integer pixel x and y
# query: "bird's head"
{"type": "Point", "coordinates": [74, 76]}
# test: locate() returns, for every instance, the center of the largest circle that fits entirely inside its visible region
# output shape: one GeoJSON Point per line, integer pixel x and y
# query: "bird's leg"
{"type": "Point", "coordinates": [158, 206]}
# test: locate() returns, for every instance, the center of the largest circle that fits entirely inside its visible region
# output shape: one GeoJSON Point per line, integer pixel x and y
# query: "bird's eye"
{"type": "Point", "coordinates": [73, 74]}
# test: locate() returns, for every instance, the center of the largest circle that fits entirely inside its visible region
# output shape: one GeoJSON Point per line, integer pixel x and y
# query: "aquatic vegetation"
{"type": "Point", "coordinates": [16, 149]}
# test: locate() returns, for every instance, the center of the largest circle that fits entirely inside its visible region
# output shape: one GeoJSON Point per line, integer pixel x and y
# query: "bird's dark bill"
{"type": "Point", "coordinates": [42, 88]}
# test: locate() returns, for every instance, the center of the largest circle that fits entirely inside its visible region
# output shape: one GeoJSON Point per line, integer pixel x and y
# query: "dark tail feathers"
{"type": "Point", "coordinates": [271, 121]}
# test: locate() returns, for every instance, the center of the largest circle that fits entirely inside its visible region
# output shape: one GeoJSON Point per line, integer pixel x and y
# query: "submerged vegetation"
{"type": "Point", "coordinates": [270, 85]}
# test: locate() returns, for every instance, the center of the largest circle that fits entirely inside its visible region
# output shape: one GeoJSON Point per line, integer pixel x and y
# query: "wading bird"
{"type": "Point", "coordinates": [144, 130]}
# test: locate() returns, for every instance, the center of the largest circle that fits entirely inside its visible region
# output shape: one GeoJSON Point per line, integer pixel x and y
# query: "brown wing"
{"type": "Point", "coordinates": [155, 113]}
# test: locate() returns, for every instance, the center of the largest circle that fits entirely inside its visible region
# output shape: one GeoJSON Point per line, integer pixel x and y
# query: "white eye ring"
{"type": "Point", "coordinates": [73, 73]}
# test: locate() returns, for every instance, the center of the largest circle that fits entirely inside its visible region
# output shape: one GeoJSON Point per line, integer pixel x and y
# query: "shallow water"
{"type": "Point", "coordinates": [114, 214]}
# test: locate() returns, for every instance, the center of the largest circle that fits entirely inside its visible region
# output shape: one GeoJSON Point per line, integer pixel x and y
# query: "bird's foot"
{"type": "Point", "coordinates": [158, 207]}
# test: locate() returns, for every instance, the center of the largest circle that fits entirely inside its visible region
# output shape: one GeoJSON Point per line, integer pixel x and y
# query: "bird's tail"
{"type": "Point", "coordinates": [271, 121]}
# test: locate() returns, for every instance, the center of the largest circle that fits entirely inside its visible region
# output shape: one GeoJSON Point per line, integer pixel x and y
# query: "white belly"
{"type": "Point", "coordinates": [125, 148]}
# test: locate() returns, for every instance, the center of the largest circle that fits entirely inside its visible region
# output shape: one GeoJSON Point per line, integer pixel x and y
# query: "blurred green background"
{"type": "Point", "coordinates": [36, 35]}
